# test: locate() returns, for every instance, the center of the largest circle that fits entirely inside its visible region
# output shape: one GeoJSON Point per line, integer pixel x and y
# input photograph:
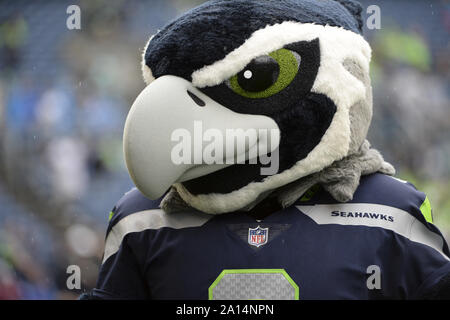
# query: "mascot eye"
{"type": "Point", "coordinates": [266, 75]}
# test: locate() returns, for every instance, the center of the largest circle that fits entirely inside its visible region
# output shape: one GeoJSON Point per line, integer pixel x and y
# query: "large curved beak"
{"type": "Point", "coordinates": [171, 113]}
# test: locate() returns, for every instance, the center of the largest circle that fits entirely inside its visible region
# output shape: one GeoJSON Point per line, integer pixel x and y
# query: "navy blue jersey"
{"type": "Point", "coordinates": [382, 244]}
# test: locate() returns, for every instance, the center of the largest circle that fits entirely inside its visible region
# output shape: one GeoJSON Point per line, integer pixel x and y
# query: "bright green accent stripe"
{"type": "Point", "coordinates": [243, 271]}
{"type": "Point", "coordinates": [426, 210]}
{"type": "Point", "coordinates": [288, 70]}
{"type": "Point", "coordinates": [110, 215]}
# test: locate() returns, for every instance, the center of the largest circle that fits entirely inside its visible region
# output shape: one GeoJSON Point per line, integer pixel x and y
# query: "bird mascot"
{"type": "Point", "coordinates": [254, 178]}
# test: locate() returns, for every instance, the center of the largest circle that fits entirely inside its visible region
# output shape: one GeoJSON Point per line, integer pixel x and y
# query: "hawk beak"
{"type": "Point", "coordinates": [171, 109]}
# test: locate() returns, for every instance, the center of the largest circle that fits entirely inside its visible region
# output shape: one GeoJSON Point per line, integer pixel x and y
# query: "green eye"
{"type": "Point", "coordinates": [266, 75]}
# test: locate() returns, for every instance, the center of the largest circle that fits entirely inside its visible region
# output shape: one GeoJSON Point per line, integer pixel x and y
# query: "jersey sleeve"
{"type": "Point", "coordinates": [428, 257]}
{"type": "Point", "coordinates": [121, 273]}
{"type": "Point", "coordinates": [418, 257]}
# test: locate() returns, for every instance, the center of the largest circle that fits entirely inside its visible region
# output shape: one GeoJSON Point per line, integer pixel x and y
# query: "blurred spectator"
{"type": "Point", "coordinates": [13, 36]}
{"type": "Point", "coordinates": [69, 176]}
{"type": "Point", "coordinates": [55, 112]}
{"type": "Point", "coordinates": [21, 106]}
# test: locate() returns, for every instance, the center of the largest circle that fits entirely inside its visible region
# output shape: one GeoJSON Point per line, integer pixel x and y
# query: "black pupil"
{"type": "Point", "coordinates": [259, 74]}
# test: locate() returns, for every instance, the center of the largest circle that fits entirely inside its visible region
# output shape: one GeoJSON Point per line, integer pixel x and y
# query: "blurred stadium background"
{"type": "Point", "coordinates": [64, 96]}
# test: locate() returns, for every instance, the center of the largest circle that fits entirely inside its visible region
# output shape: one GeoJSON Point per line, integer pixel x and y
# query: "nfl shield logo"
{"type": "Point", "coordinates": [258, 236]}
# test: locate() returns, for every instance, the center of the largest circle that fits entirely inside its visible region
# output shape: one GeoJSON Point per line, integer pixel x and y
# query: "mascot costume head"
{"type": "Point", "coordinates": [295, 68]}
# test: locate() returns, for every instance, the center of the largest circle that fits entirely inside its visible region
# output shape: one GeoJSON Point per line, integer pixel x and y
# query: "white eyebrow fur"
{"type": "Point", "coordinates": [276, 36]}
